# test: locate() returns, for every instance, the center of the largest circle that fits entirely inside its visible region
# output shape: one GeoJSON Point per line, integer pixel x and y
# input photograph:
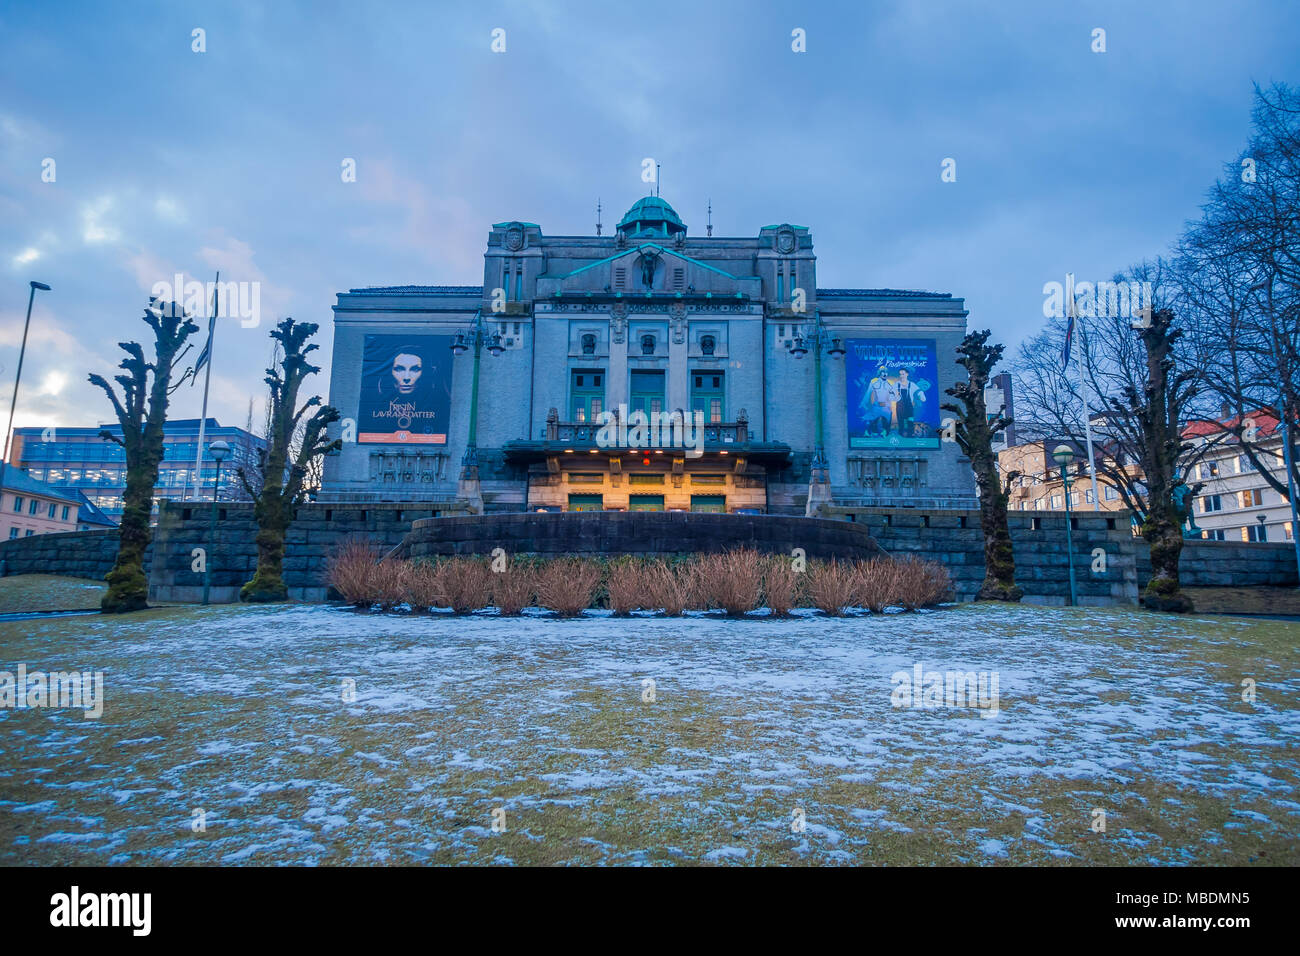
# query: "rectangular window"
{"type": "Point", "coordinates": [1252, 498]}
{"type": "Point", "coordinates": [1215, 535]}
{"type": "Point", "coordinates": [28, 533]}
{"type": "Point", "coordinates": [53, 509]}
{"type": "Point", "coordinates": [1254, 532]}
{"type": "Point", "coordinates": [713, 504]}
{"type": "Point", "coordinates": [708, 394]}
{"type": "Point", "coordinates": [647, 391]}
{"type": "Point", "coordinates": [65, 512]}
{"type": "Point", "coordinates": [645, 503]}
{"type": "Point", "coordinates": [585, 477]}
{"type": "Point", "coordinates": [13, 533]}
{"type": "Point", "coordinates": [1211, 503]}
{"type": "Point", "coordinates": [586, 502]}
{"type": "Point", "coordinates": [587, 394]}
{"type": "Point", "coordinates": [1110, 494]}
{"type": "Point", "coordinates": [1244, 464]}
{"type": "Point", "coordinates": [698, 479]}
{"type": "Point", "coordinates": [645, 479]}
{"type": "Point", "coordinates": [18, 503]}
{"type": "Point", "coordinates": [33, 506]}
{"type": "Point", "coordinates": [1209, 469]}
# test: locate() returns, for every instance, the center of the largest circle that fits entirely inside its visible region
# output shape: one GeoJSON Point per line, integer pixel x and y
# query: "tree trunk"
{"type": "Point", "coordinates": [128, 586]}
{"type": "Point", "coordinates": [267, 585]}
{"type": "Point", "coordinates": [999, 560]}
{"type": "Point", "coordinates": [1163, 533]}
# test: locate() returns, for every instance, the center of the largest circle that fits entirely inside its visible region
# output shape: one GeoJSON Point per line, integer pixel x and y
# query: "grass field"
{"type": "Point", "coordinates": [48, 592]}
{"type": "Point", "coordinates": [755, 728]}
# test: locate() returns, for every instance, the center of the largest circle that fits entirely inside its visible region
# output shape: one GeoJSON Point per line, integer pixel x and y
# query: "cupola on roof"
{"type": "Point", "coordinates": [651, 218]}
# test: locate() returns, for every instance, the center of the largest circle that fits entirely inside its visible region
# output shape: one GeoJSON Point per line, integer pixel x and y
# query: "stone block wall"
{"type": "Point", "coordinates": [78, 554]}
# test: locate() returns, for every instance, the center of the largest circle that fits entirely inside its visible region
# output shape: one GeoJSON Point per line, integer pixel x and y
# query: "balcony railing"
{"type": "Point", "coordinates": [715, 433]}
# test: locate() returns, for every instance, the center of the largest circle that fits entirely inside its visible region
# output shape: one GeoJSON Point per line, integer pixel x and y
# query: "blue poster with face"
{"type": "Point", "coordinates": [892, 396]}
{"type": "Point", "coordinates": [405, 390]}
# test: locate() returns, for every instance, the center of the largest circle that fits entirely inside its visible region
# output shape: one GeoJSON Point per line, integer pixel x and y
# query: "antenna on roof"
{"type": "Point", "coordinates": [598, 215]}
{"type": "Point", "coordinates": [710, 217]}
{"type": "Point", "coordinates": [657, 178]}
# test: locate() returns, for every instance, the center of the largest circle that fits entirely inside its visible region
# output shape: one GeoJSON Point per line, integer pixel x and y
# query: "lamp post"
{"type": "Point", "coordinates": [1263, 535]}
{"type": "Point", "coordinates": [475, 337]}
{"type": "Point", "coordinates": [819, 484]}
{"type": "Point", "coordinates": [1063, 455]}
{"type": "Point", "coordinates": [22, 351]}
{"type": "Point", "coordinates": [218, 450]}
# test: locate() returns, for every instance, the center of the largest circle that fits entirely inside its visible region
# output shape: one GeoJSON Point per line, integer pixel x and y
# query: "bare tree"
{"type": "Point", "coordinates": [974, 434]}
{"type": "Point", "coordinates": [142, 413]}
{"type": "Point", "coordinates": [1139, 406]}
{"type": "Point", "coordinates": [283, 470]}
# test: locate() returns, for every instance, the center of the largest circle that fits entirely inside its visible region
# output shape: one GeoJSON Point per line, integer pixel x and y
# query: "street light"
{"type": "Point", "coordinates": [476, 337]}
{"type": "Point", "coordinates": [218, 450]}
{"type": "Point", "coordinates": [1262, 533]}
{"type": "Point", "coordinates": [799, 347]}
{"type": "Point", "coordinates": [1063, 455]}
{"type": "Point", "coordinates": [22, 351]}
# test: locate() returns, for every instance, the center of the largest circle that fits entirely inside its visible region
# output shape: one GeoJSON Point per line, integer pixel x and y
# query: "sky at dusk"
{"type": "Point", "coordinates": [172, 161]}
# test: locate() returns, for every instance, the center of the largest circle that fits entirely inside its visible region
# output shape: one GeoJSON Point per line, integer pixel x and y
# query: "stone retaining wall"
{"type": "Point", "coordinates": [78, 554]}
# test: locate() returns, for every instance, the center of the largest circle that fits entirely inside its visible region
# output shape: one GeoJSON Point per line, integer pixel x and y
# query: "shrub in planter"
{"type": "Point", "coordinates": [513, 588]}
{"type": "Point", "coordinates": [781, 584]}
{"type": "Point", "coordinates": [465, 583]}
{"type": "Point", "coordinates": [732, 580]}
{"type": "Point", "coordinates": [567, 585]}
{"type": "Point", "coordinates": [832, 586]}
{"type": "Point", "coordinates": [351, 571]}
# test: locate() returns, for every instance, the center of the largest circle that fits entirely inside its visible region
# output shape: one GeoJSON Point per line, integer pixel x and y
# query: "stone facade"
{"type": "Point", "coordinates": [644, 318]}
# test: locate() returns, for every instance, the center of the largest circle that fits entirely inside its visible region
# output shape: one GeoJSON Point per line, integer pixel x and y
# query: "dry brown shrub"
{"type": "Point", "coordinates": [465, 584]}
{"type": "Point", "coordinates": [424, 586]}
{"type": "Point", "coordinates": [629, 586]}
{"type": "Point", "coordinates": [389, 585]}
{"type": "Point", "coordinates": [512, 589]}
{"type": "Point", "coordinates": [669, 587]}
{"type": "Point", "coordinates": [922, 583]}
{"type": "Point", "coordinates": [877, 583]}
{"type": "Point", "coordinates": [832, 586]}
{"type": "Point", "coordinates": [732, 580]}
{"type": "Point", "coordinates": [351, 570]}
{"type": "Point", "coordinates": [567, 585]}
{"type": "Point", "coordinates": [781, 584]}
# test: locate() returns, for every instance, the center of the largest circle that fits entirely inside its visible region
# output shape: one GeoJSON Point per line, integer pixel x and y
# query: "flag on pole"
{"type": "Point", "coordinates": [1069, 322]}
{"type": "Point", "coordinates": [212, 328]}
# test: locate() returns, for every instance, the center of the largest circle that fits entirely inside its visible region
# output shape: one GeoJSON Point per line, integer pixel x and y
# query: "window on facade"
{"type": "Point", "coordinates": [33, 506]}
{"type": "Point", "coordinates": [18, 503]}
{"type": "Point", "coordinates": [65, 512]}
{"type": "Point", "coordinates": [13, 533]}
{"type": "Point", "coordinates": [1215, 535]}
{"type": "Point", "coordinates": [1110, 494]}
{"type": "Point", "coordinates": [1252, 498]}
{"type": "Point", "coordinates": [587, 394]}
{"type": "Point", "coordinates": [1244, 464]}
{"type": "Point", "coordinates": [646, 391]}
{"type": "Point", "coordinates": [1055, 502]}
{"type": "Point", "coordinates": [53, 509]}
{"type": "Point", "coordinates": [1287, 529]}
{"type": "Point", "coordinates": [1254, 532]}
{"type": "Point", "coordinates": [647, 345]}
{"type": "Point", "coordinates": [708, 344]}
{"type": "Point", "coordinates": [1209, 469]}
{"type": "Point", "coordinates": [708, 394]}
{"type": "Point", "coordinates": [589, 344]}
{"type": "Point", "coordinates": [1211, 503]}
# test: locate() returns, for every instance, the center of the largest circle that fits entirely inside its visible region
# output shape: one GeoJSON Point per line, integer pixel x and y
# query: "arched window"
{"type": "Point", "coordinates": [707, 344]}
{"type": "Point", "coordinates": [647, 345]}
{"type": "Point", "coordinates": [589, 344]}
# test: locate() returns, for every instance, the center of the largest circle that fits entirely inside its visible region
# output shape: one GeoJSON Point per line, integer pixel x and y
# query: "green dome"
{"type": "Point", "coordinates": [651, 218]}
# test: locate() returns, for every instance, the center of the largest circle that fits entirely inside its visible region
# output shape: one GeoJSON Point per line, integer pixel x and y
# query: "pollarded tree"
{"type": "Point", "coordinates": [278, 486]}
{"type": "Point", "coordinates": [142, 413]}
{"type": "Point", "coordinates": [974, 433]}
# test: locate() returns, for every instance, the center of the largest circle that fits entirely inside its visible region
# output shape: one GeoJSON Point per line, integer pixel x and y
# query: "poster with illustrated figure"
{"type": "Point", "coordinates": [892, 393]}
{"type": "Point", "coordinates": [405, 390]}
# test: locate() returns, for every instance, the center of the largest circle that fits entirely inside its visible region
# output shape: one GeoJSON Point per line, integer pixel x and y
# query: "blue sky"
{"type": "Point", "coordinates": [172, 161]}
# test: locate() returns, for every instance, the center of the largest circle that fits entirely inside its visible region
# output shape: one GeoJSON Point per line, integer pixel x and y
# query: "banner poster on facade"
{"type": "Point", "coordinates": [405, 390]}
{"type": "Point", "coordinates": [892, 393]}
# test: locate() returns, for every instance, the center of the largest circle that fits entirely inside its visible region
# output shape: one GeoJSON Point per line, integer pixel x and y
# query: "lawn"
{"type": "Point", "coordinates": [754, 726]}
{"type": "Point", "coordinates": [49, 592]}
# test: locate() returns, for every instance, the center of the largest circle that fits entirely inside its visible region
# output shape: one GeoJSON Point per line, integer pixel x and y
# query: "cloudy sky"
{"type": "Point", "coordinates": [168, 160]}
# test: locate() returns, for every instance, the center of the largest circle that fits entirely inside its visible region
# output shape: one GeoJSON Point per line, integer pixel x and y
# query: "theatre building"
{"type": "Point", "coordinates": [532, 391]}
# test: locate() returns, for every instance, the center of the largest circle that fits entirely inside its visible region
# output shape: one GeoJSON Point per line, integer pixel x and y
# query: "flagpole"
{"type": "Point", "coordinates": [207, 379]}
{"type": "Point", "coordinates": [1083, 396]}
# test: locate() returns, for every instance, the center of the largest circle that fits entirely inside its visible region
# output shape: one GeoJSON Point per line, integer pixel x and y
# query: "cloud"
{"type": "Point", "coordinates": [93, 229]}
{"type": "Point", "coordinates": [30, 254]}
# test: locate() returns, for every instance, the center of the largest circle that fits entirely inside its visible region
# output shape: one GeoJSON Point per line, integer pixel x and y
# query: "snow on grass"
{"type": "Point", "coordinates": [315, 735]}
